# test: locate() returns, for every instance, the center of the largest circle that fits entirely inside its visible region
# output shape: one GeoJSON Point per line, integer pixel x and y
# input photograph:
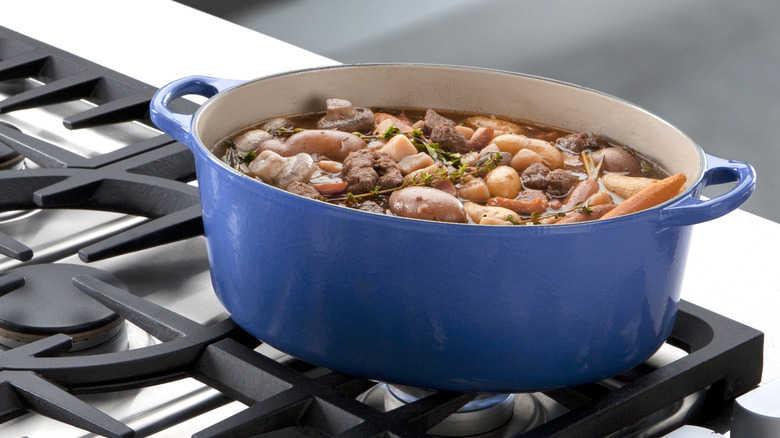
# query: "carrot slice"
{"type": "Point", "coordinates": [650, 196]}
{"type": "Point", "coordinates": [536, 205]}
{"type": "Point", "coordinates": [595, 212]}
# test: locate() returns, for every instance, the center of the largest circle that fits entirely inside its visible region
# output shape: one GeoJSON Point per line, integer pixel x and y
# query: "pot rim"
{"type": "Point", "coordinates": [693, 186]}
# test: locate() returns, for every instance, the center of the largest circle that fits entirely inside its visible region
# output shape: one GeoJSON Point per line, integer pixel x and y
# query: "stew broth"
{"type": "Point", "coordinates": [446, 166]}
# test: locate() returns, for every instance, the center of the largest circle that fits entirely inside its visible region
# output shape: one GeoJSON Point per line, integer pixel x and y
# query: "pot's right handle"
{"type": "Point", "coordinates": [691, 210]}
{"type": "Point", "coordinates": [177, 125]}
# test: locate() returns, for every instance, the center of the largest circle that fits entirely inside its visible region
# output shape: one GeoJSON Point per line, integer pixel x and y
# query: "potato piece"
{"type": "Point", "coordinates": [489, 149]}
{"type": "Point", "coordinates": [430, 169]}
{"type": "Point", "coordinates": [384, 121]}
{"type": "Point", "coordinates": [623, 185]}
{"type": "Point", "coordinates": [493, 221]}
{"type": "Point", "coordinates": [474, 190]}
{"type": "Point", "coordinates": [524, 158]}
{"type": "Point", "coordinates": [617, 160]}
{"type": "Point", "coordinates": [414, 162]}
{"type": "Point", "coordinates": [465, 130]}
{"type": "Point", "coordinates": [398, 148]}
{"type": "Point", "coordinates": [469, 158]}
{"type": "Point", "coordinates": [503, 181]}
{"type": "Point", "coordinates": [513, 143]}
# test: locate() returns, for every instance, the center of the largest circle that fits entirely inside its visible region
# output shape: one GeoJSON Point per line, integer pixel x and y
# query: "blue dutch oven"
{"type": "Point", "coordinates": [440, 305]}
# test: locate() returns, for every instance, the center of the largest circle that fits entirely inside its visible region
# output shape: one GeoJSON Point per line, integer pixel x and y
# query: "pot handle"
{"type": "Point", "coordinates": [691, 210]}
{"type": "Point", "coordinates": [179, 125]}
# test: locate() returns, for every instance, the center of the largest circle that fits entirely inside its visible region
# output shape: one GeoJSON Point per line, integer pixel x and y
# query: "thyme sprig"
{"type": "Point", "coordinates": [429, 179]}
{"type": "Point", "coordinates": [437, 153]}
{"type": "Point", "coordinates": [233, 157]}
{"type": "Point", "coordinates": [416, 136]}
{"type": "Point", "coordinates": [537, 218]}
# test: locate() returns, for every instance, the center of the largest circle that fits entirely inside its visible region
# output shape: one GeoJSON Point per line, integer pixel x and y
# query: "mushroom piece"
{"type": "Point", "coordinates": [251, 140]}
{"type": "Point", "coordinates": [280, 171]}
{"type": "Point", "coordinates": [342, 115]}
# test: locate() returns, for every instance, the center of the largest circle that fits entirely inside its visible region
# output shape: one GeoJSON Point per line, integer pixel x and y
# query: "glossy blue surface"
{"type": "Point", "coordinates": [444, 306]}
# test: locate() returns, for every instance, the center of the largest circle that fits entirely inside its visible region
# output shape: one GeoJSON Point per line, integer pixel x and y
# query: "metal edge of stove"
{"type": "Point", "coordinates": [70, 108]}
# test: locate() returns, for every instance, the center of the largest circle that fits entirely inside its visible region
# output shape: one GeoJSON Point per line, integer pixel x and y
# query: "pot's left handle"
{"type": "Point", "coordinates": [177, 125]}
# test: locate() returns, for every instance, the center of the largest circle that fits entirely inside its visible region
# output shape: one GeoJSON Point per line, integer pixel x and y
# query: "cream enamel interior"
{"type": "Point", "coordinates": [453, 88]}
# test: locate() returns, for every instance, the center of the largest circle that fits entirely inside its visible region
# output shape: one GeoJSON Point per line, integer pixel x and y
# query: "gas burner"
{"type": "Point", "coordinates": [9, 158]}
{"type": "Point", "coordinates": [86, 134]}
{"type": "Point", "coordinates": [487, 415]}
{"type": "Point", "coordinates": [41, 300]}
{"type": "Point", "coordinates": [145, 179]}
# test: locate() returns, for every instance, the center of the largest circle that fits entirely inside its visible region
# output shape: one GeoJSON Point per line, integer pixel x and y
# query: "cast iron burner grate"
{"type": "Point", "coordinates": [724, 356]}
{"type": "Point", "coordinates": [143, 178]}
{"type": "Point", "coordinates": [148, 179]}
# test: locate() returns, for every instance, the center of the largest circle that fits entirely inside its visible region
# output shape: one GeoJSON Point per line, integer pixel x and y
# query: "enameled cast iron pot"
{"type": "Point", "coordinates": [439, 305]}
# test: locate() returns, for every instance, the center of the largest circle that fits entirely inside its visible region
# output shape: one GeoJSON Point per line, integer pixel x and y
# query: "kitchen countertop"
{"type": "Point", "coordinates": [732, 263]}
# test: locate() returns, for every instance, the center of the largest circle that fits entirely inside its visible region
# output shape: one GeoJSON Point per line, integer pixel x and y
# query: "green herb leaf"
{"type": "Point", "coordinates": [251, 155]}
{"type": "Point", "coordinates": [390, 131]}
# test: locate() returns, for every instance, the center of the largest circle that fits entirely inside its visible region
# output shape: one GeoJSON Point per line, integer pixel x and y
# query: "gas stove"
{"type": "Point", "coordinates": [109, 325]}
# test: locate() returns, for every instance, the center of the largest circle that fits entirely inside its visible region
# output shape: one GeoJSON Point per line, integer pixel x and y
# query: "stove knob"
{"type": "Point", "coordinates": [757, 413]}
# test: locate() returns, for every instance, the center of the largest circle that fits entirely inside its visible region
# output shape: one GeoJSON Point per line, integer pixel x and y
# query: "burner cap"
{"type": "Point", "coordinates": [506, 413]}
{"type": "Point", "coordinates": [9, 157]}
{"type": "Point", "coordinates": [48, 303]}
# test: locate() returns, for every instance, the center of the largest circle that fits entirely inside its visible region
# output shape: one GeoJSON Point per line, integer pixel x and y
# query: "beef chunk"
{"type": "Point", "coordinates": [433, 119]}
{"type": "Point", "coordinates": [442, 130]}
{"type": "Point", "coordinates": [361, 180]}
{"type": "Point", "coordinates": [365, 169]}
{"type": "Point", "coordinates": [529, 195]}
{"type": "Point", "coordinates": [303, 189]}
{"type": "Point", "coordinates": [358, 172]}
{"type": "Point", "coordinates": [387, 168]}
{"type": "Point", "coordinates": [581, 141]}
{"type": "Point", "coordinates": [449, 139]}
{"type": "Point", "coordinates": [361, 158]}
{"type": "Point", "coordinates": [535, 176]}
{"type": "Point", "coordinates": [560, 182]}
